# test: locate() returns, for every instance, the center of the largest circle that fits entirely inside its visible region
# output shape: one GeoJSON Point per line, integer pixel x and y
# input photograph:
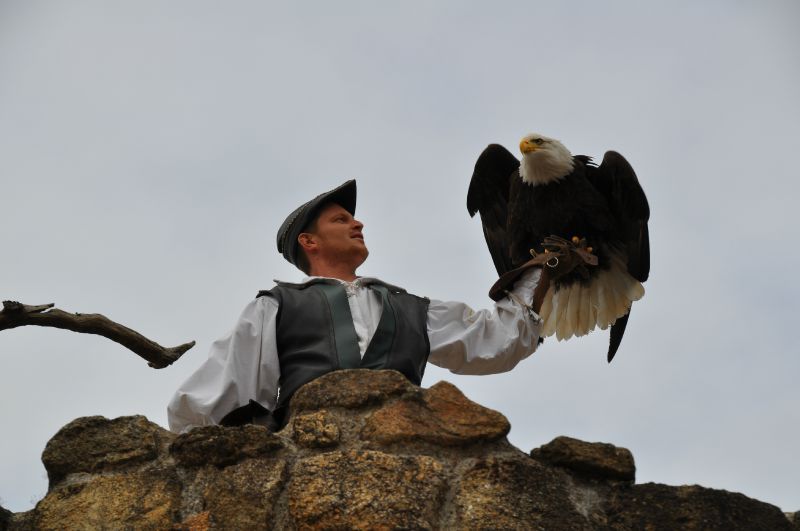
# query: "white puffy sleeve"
{"type": "Point", "coordinates": [485, 341]}
{"type": "Point", "coordinates": [241, 366]}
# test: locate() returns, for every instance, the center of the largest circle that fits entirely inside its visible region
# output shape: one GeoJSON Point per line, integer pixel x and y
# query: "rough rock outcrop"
{"type": "Point", "coordinates": [361, 450]}
{"type": "Point", "coordinates": [594, 460]}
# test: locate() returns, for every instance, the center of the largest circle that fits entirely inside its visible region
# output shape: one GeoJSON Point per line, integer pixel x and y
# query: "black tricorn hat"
{"type": "Point", "coordinates": [343, 195]}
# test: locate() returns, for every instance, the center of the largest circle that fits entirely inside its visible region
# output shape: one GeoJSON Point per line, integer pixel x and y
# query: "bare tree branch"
{"type": "Point", "coordinates": [15, 314]}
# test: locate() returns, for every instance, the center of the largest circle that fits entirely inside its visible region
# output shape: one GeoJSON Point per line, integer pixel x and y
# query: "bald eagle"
{"type": "Point", "coordinates": [552, 192]}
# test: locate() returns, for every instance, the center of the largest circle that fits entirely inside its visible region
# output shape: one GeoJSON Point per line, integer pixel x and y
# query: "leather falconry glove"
{"type": "Point", "coordinates": [560, 258]}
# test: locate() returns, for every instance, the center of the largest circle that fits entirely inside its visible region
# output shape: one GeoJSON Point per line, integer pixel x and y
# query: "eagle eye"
{"type": "Point", "coordinates": [539, 141]}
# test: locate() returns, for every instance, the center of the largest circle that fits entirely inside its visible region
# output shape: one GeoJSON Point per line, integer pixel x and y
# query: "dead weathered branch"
{"type": "Point", "coordinates": [15, 314]}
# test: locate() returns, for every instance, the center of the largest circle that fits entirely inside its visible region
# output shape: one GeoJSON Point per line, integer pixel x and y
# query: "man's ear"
{"type": "Point", "coordinates": [307, 241]}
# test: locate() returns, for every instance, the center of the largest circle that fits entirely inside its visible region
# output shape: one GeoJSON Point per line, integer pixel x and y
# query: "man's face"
{"type": "Point", "coordinates": [339, 235]}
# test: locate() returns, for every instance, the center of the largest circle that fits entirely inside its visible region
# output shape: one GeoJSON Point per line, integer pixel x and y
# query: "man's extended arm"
{"type": "Point", "coordinates": [485, 341]}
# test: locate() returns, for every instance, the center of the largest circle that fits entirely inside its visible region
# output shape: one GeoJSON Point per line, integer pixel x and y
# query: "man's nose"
{"type": "Point", "coordinates": [358, 224]}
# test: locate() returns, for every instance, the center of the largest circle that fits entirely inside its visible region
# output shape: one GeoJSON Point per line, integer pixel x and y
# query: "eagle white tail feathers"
{"type": "Point", "coordinates": [577, 309]}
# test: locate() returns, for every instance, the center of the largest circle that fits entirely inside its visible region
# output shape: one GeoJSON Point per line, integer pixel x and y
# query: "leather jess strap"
{"type": "Point", "coordinates": [559, 258]}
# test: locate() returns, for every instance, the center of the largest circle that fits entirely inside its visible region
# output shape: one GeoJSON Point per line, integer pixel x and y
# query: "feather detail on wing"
{"type": "Point", "coordinates": [488, 195]}
{"type": "Point", "coordinates": [617, 182]}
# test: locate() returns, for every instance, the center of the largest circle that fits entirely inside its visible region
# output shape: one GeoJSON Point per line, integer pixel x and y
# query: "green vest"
{"type": "Point", "coordinates": [315, 335]}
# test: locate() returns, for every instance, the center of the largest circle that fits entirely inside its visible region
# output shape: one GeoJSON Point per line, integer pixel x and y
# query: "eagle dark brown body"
{"type": "Point", "coordinates": [574, 208]}
{"type": "Point", "coordinates": [603, 204]}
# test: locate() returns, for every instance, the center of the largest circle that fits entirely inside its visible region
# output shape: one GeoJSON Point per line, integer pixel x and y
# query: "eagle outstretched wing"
{"type": "Point", "coordinates": [615, 179]}
{"type": "Point", "coordinates": [488, 195]}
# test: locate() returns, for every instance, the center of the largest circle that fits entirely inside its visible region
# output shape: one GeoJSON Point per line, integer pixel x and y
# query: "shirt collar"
{"type": "Point", "coordinates": [351, 287]}
{"type": "Point", "coordinates": [358, 283]}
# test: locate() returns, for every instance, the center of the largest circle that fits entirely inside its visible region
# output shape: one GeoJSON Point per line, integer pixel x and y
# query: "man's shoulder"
{"type": "Point", "coordinates": [264, 293]}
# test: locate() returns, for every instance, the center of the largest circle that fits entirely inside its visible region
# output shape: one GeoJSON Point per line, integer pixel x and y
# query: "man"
{"type": "Point", "coordinates": [334, 319]}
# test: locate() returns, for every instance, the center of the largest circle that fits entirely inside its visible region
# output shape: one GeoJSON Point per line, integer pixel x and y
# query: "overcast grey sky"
{"type": "Point", "coordinates": [149, 151]}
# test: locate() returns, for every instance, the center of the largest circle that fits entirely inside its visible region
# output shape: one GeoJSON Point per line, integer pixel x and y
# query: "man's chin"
{"type": "Point", "coordinates": [365, 254]}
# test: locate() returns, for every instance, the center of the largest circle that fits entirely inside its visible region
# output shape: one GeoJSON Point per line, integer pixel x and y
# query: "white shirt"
{"type": "Point", "coordinates": [244, 364]}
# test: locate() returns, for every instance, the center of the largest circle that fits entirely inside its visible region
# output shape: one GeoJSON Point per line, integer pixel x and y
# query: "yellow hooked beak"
{"type": "Point", "coordinates": [527, 145]}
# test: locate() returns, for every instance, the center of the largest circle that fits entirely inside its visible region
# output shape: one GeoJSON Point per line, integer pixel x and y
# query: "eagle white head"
{"type": "Point", "coordinates": [544, 160]}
